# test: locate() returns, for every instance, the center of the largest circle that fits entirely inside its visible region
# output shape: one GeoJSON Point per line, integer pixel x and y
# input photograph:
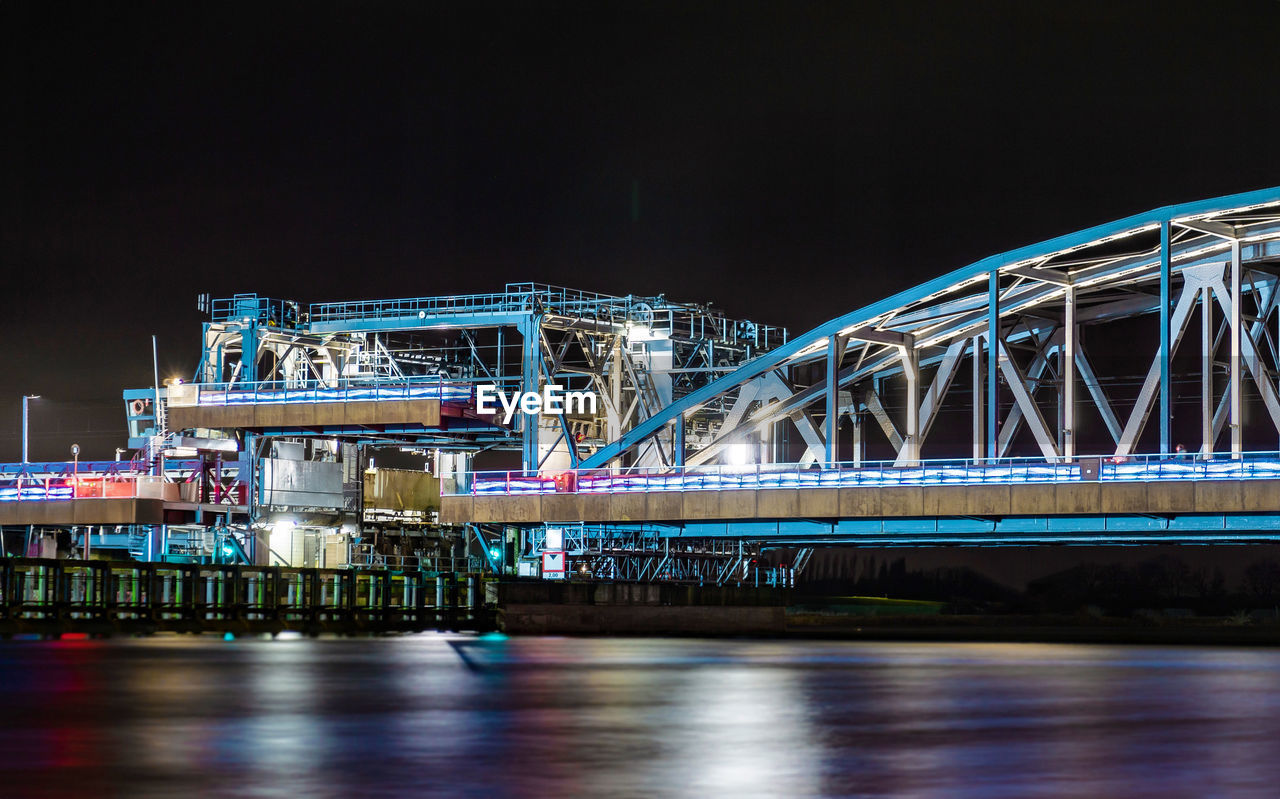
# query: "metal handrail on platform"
{"type": "Point", "coordinates": [517, 298]}
{"type": "Point", "coordinates": [1253, 465]}
{"type": "Point", "coordinates": [341, 390]}
{"type": "Point", "coordinates": [87, 486]}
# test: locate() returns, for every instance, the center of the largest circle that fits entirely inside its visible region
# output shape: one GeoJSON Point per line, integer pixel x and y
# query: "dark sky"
{"type": "Point", "coordinates": [794, 160]}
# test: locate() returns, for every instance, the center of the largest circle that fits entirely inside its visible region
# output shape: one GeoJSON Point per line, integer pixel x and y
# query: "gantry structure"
{"type": "Point", "coordinates": [637, 354]}
{"type": "Point", "coordinates": [289, 403]}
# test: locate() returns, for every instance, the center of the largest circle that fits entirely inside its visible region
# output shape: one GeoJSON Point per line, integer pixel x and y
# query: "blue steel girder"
{"type": "Point", "coordinates": [886, 363]}
{"type": "Point", "coordinates": [465, 432]}
{"type": "Point", "coordinates": [1204, 229]}
{"type": "Point", "coordinates": [426, 322]}
{"type": "Point", "coordinates": [969, 316]}
{"type": "Point", "coordinates": [966, 531]}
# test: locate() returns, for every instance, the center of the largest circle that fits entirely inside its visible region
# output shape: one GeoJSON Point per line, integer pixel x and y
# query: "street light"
{"type": "Point", "coordinates": [25, 399]}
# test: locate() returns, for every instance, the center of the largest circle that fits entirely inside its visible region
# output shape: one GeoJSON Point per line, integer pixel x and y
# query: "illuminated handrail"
{"type": "Point", "coordinates": [36, 489]}
{"type": "Point", "coordinates": [996, 471]}
{"type": "Point", "coordinates": [271, 392]}
{"type": "Point", "coordinates": [670, 319]}
{"type": "Point", "coordinates": [251, 306]}
{"type": "Point", "coordinates": [115, 486]}
{"type": "Point", "coordinates": [518, 297]}
{"type": "Point", "coordinates": [85, 470]}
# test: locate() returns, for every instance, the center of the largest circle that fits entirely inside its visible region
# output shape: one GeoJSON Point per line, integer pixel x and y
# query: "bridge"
{"type": "Point", "coordinates": [1054, 446]}
{"type": "Point", "coordinates": [1041, 395]}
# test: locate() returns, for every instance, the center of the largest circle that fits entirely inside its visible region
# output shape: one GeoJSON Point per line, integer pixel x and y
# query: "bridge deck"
{"type": "Point", "coordinates": [1145, 499]}
{"type": "Point", "coordinates": [1228, 496]}
{"type": "Point", "coordinates": [67, 512]}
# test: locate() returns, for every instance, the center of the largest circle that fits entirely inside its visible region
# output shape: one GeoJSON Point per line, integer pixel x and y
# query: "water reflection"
{"type": "Point", "coordinates": [447, 715]}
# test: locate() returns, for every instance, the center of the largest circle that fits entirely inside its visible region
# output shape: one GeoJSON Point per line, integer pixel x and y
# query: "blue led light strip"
{"type": "Point", "coordinates": [264, 394]}
{"type": "Point", "coordinates": [927, 473]}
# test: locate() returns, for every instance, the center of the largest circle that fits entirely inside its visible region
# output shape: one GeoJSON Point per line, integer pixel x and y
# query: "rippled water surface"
{"type": "Point", "coordinates": [451, 715]}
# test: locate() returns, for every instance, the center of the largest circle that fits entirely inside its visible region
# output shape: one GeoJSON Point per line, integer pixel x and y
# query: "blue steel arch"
{"type": "Point", "coordinates": [1200, 219]}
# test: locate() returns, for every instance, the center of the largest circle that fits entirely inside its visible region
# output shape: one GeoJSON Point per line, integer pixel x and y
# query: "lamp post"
{"type": "Point", "coordinates": [75, 489]}
{"type": "Point", "coordinates": [25, 399]}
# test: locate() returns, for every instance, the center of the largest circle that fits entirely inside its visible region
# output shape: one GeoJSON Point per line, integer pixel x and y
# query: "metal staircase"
{"type": "Point", "coordinates": [373, 363]}
{"type": "Point", "coordinates": [646, 392]}
{"type": "Point", "coordinates": [138, 536]}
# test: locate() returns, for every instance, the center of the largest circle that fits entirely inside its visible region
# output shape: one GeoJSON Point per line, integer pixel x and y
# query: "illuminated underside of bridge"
{"type": "Point", "coordinates": [1001, 341]}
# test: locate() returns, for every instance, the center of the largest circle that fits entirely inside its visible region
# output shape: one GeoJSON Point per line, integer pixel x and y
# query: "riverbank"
{"type": "Point", "coordinates": [621, 609]}
{"type": "Point", "coordinates": [782, 622]}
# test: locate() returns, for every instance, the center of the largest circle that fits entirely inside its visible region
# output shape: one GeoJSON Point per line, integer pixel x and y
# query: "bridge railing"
{"type": "Point", "coordinates": [342, 390]}
{"type": "Point", "coordinates": [1255, 465]}
{"type": "Point", "coordinates": [86, 486]}
{"type": "Point", "coordinates": [519, 297]}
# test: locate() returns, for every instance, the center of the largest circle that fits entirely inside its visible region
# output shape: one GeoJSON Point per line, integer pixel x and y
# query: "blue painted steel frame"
{"type": "Point", "coordinates": [443, 322]}
{"type": "Point", "coordinates": [993, 364]}
{"type": "Point", "coordinates": [1011, 471]}
{"type": "Point", "coordinates": [819, 334]}
{"type": "Point", "coordinates": [1008, 531]}
{"type": "Point", "coordinates": [1166, 386]}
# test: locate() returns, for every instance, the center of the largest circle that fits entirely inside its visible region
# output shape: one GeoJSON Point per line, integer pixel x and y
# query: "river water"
{"type": "Point", "coordinates": [451, 715]}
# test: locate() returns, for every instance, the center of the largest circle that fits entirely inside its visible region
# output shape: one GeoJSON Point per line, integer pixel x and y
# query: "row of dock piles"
{"type": "Point", "coordinates": [50, 598]}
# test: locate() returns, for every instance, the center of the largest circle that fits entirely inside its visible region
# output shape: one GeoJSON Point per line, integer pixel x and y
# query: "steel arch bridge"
{"type": "Point", "coordinates": [1003, 340]}
{"type": "Point", "coordinates": [1015, 319]}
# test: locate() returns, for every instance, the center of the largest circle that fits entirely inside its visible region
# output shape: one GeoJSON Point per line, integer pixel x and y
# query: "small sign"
{"type": "Point", "coordinates": [553, 565]}
{"type": "Point", "coordinates": [1090, 469]}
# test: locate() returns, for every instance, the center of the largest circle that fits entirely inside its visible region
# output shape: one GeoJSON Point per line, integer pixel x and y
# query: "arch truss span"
{"type": "Point", "coordinates": [1178, 307]}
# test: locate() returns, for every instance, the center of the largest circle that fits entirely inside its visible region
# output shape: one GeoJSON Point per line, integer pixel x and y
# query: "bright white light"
{"type": "Point", "coordinates": [643, 332]}
{"type": "Point", "coordinates": [555, 539]}
{"type": "Point", "coordinates": [738, 454]}
{"type": "Point", "coordinates": [282, 527]}
{"type": "Point", "coordinates": [638, 332]}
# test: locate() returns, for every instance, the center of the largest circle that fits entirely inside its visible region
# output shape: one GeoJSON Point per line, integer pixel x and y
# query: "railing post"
{"type": "Point", "coordinates": [1237, 405]}
{"type": "Point", "coordinates": [1166, 346]}
{"type": "Point", "coordinates": [993, 364]}
{"type": "Point", "coordinates": [1067, 360]}
{"type": "Point", "coordinates": [832, 423]}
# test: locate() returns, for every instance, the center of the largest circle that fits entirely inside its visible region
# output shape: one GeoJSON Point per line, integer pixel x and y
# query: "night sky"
{"type": "Point", "coordinates": [788, 161]}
